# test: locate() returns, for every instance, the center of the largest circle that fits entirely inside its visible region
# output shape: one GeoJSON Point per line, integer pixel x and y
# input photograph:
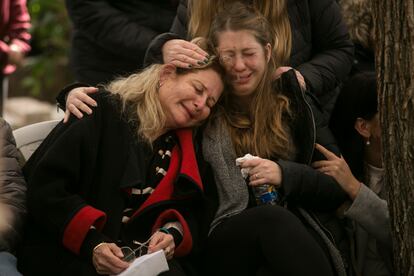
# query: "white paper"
{"type": "Point", "coordinates": [147, 265]}
{"type": "Point", "coordinates": [245, 171]}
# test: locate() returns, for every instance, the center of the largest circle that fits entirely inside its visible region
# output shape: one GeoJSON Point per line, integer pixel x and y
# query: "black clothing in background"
{"type": "Point", "coordinates": [321, 47]}
{"type": "Point", "coordinates": [364, 60]}
{"type": "Point", "coordinates": [110, 37]}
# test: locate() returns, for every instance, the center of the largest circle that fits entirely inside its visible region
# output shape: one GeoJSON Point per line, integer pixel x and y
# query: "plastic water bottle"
{"type": "Point", "coordinates": [266, 194]}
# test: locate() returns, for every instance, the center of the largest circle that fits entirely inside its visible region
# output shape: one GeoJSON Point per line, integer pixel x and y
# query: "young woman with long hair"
{"type": "Point", "coordinates": [272, 120]}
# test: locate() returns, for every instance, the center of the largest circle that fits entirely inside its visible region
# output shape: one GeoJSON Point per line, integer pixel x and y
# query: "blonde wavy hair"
{"type": "Point", "coordinates": [139, 94]}
{"type": "Point", "coordinates": [261, 130]}
{"type": "Point", "coordinates": [202, 13]}
{"type": "Point", "coordinates": [358, 16]}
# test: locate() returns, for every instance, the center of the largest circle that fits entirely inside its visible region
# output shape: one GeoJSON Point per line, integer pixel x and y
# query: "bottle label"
{"type": "Point", "coordinates": [269, 198]}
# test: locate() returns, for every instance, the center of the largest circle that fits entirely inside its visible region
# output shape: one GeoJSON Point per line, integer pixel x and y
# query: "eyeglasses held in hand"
{"type": "Point", "coordinates": [131, 254]}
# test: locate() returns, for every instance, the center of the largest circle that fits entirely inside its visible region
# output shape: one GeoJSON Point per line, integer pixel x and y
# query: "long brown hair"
{"type": "Point", "coordinates": [202, 13]}
{"type": "Point", "coordinates": [260, 130]}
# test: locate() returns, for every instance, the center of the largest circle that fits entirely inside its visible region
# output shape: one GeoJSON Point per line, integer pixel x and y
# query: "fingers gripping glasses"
{"type": "Point", "coordinates": [131, 254]}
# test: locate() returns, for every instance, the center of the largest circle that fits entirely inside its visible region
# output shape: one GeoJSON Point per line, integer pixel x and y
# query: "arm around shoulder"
{"type": "Point", "coordinates": [309, 188]}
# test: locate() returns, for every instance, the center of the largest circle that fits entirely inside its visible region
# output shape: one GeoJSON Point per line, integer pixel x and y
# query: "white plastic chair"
{"type": "Point", "coordinates": [29, 137]}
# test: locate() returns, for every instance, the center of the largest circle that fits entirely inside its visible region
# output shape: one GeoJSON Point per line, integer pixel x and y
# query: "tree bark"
{"type": "Point", "coordinates": [394, 31]}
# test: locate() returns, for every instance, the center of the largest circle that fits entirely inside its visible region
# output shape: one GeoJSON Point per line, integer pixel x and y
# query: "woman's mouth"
{"type": "Point", "coordinates": [190, 115]}
{"type": "Point", "coordinates": [241, 79]}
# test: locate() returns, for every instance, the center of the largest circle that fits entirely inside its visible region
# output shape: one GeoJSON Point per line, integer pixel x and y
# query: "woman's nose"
{"type": "Point", "coordinates": [200, 102]}
{"type": "Point", "coordinates": [238, 63]}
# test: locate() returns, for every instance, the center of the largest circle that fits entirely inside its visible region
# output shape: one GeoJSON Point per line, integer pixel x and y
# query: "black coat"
{"type": "Point", "coordinates": [302, 186]}
{"type": "Point", "coordinates": [78, 177]}
{"type": "Point", "coordinates": [321, 48]}
{"type": "Point", "coordinates": [111, 36]}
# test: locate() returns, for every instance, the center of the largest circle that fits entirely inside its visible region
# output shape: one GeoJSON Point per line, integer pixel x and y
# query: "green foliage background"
{"type": "Point", "coordinates": [46, 69]}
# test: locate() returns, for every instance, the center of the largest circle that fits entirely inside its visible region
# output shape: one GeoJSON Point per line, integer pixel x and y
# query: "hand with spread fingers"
{"type": "Point", "coordinates": [337, 168]}
{"type": "Point", "coordinates": [183, 54]}
{"type": "Point", "coordinates": [263, 171]}
{"type": "Point", "coordinates": [161, 240]}
{"type": "Point", "coordinates": [78, 101]}
{"type": "Point", "coordinates": [107, 259]}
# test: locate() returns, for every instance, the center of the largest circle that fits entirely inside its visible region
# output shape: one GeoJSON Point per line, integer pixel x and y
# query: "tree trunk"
{"type": "Point", "coordinates": [394, 31]}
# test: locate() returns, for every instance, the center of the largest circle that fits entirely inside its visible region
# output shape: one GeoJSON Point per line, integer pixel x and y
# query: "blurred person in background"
{"type": "Point", "coordinates": [110, 37]}
{"type": "Point", "coordinates": [12, 200]}
{"type": "Point", "coordinates": [14, 40]}
{"type": "Point", "coordinates": [359, 19]}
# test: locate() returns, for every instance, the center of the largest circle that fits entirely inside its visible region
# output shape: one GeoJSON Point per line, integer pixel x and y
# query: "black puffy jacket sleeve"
{"type": "Point", "coordinates": [332, 48]}
{"type": "Point", "coordinates": [301, 184]}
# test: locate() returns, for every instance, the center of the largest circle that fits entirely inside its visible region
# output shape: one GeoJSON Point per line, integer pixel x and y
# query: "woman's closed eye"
{"type": "Point", "coordinates": [199, 90]}
{"type": "Point", "coordinates": [198, 87]}
{"type": "Point", "coordinates": [249, 54]}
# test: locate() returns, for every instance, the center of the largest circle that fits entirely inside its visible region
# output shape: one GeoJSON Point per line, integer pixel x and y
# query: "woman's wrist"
{"type": "Point", "coordinates": [176, 235]}
{"type": "Point", "coordinates": [92, 241]}
{"type": "Point", "coordinates": [354, 189]}
{"type": "Point", "coordinates": [278, 176]}
{"type": "Point", "coordinates": [175, 229]}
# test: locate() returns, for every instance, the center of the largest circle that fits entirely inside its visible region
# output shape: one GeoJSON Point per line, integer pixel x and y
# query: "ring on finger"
{"type": "Point", "coordinates": [257, 176]}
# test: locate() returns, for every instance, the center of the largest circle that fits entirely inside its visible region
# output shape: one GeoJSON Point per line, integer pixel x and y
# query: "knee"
{"type": "Point", "coordinates": [273, 214]}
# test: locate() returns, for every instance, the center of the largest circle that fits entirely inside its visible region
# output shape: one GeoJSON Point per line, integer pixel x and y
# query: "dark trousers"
{"type": "Point", "coordinates": [265, 240]}
{"type": "Point", "coordinates": [179, 268]}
